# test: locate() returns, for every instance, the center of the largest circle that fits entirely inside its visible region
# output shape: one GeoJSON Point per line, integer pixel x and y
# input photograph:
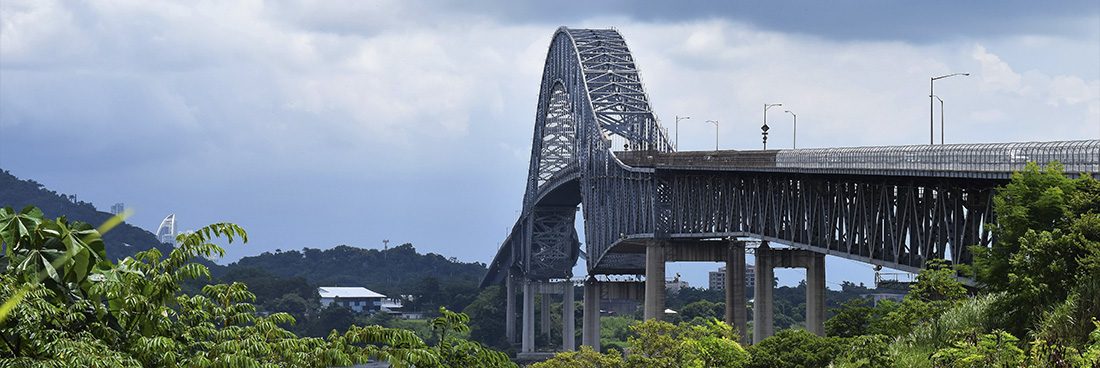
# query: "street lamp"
{"type": "Point", "coordinates": [678, 118]}
{"type": "Point", "coordinates": [715, 122]}
{"type": "Point", "coordinates": [794, 136]}
{"type": "Point", "coordinates": [931, 104]}
{"type": "Point", "coordinates": [764, 128]}
{"type": "Point", "coordinates": [941, 117]}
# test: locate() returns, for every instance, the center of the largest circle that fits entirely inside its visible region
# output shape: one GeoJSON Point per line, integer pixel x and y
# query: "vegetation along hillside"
{"type": "Point", "coordinates": [122, 241]}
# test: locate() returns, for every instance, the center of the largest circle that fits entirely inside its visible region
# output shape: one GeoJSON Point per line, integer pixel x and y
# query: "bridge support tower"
{"type": "Point", "coordinates": [590, 325]}
{"type": "Point", "coordinates": [510, 308]}
{"type": "Point", "coordinates": [736, 313]}
{"type": "Point", "coordinates": [767, 260]}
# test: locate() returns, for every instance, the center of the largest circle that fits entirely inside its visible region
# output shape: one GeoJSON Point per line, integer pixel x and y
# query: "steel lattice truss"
{"type": "Point", "coordinates": [892, 206]}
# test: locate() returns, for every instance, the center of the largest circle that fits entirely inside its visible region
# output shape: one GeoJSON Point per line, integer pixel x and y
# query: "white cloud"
{"type": "Point", "coordinates": [995, 74]}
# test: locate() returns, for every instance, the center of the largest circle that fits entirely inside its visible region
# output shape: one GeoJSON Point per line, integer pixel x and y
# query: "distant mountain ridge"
{"type": "Point", "coordinates": [19, 193]}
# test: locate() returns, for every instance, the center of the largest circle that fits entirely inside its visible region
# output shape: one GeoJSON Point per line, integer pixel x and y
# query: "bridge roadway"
{"type": "Point", "coordinates": [646, 205]}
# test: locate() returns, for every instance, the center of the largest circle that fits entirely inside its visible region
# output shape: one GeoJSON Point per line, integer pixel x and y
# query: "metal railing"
{"type": "Point", "coordinates": [1076, 156]}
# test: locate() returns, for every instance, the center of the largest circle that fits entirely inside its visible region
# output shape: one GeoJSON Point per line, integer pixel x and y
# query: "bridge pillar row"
{"type": "Point", "coordinates": [528, 343]}
{"type": "Point", "coordinates": [763, 324]}
{"type": "Point", "coordinates": [735, 290]}
{"type": "Point", "coordinates": [590, 324]}
{"type": "Point", "coordinates": [510, 308]}
{"type": "Point", "coordinates": [654, 281]}
{"type": "Point", "coordinates": [568, 336]}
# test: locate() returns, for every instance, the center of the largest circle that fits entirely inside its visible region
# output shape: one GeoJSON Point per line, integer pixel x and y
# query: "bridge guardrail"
{"type": "Point", "coordinates": [1081, 156]}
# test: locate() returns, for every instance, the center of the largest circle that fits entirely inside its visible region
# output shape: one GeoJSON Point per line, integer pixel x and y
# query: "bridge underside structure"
{"type": "Point", "coordinates": [598, 146]}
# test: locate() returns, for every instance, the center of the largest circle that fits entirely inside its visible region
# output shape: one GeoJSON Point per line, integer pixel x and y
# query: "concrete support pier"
{"type": "Point", "coordinates": [766, 261]}
{"type": "Point", "coordinates": [510, 308]}
{"type": "Point", "coordinates": [528, 344]}
{"type": "Point", "coordinates": [654, 281]}
{"type": "Point", "coordinates": [736, 315]}
{"type": "Point", "coordinates": [568, 323]}
{"type": "Point", "coordinates": [763, 323]}
{"type": "Point", "coordinates": [590, 325]}
{"type": "Point", "coordinates": [544, 316]}
{"type": "Point", "coordinates": [815, 294]}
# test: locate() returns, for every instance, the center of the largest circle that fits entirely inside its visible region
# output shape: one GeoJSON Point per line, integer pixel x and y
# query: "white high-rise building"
{"type": "Point", "coordinates": [718, 278]}
{"type": "Point", "coordinates": [117, 208]}
{"type": "Point", "coordinates": [166, 232]}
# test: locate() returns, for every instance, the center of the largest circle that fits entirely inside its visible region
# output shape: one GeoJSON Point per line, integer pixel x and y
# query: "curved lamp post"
{"type": "Point", "coordinates": [764, 128]}
{"type": "Point", "coordinates": [794, 136]}
{"type": "Point", "coordinates": [715, 122]}
{"type": "Point", "coordinates": [941, 117]}
{"type": "Point", "coordinates": [931, 104]}
{"type": "Point", "coordinates": [678, 118]}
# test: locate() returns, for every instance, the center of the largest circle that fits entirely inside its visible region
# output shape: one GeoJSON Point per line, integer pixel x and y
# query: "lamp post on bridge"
{"type": "Point", "coordinates": [931, 105]}
{"type": "Point", "coordinates": [794, 136]}
{"type": "Point", "coordinates": [715, 122]}
{"type": "Point", "coordinates": [764, 128]}
{"type": "Point", "coordinates": [678, 118]}
{"type": "Point", "coordinates": [941, 117]}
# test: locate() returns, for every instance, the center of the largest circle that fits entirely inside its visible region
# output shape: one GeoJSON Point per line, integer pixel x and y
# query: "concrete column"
{"type": "Point", "coordinates": [763, 311]}
{"type": "Point", "coordinates": [568, 323]}
{"type": "Point", "coordinates": [510, 309]}
{"type": "Point", "coordinates": [735, 290]}
{"type": "Point", "coordinates": [528, 344]}
{"type": "Point", "coordinates": [544, 317]}
{"type": "Point", "coordinates": [815, 294]}
{"type": "Point", "coordinates": [590, 328]}
{"type": "Point", "coordinates": [654, 281]}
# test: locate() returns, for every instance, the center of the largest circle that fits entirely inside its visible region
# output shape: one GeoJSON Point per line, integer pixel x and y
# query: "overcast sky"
{"type": "Point", "coordinates": [314, 124]}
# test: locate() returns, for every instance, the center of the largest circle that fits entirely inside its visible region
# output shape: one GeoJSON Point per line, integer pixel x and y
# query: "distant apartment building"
{"type": "Point", "coordinates": [675, 284]}
{"type": "Point", "coordinates": [718, 278]}
{"type": "Point", "coordinates": [117, 208]}
{"type": "Point", "coordinates": [358, 299]}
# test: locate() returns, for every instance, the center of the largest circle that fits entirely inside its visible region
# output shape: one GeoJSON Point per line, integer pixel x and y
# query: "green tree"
{"type": "Point", "coordinates": [703, 309]}
{"type": "Point", "coordinates": [456, 352]}
{"type": "Point", "coordinates": [795, 348]}
{"type": "Point", "coordinates": [615, 331]}
{"type": "Point", "coordinates": [583, 358]}
{"type": "Point", "coordinates": [867, 351]}
{"type": "Point", "coordinates": [997, 349]}
{"type": "Point", "coordinates": [662, 344]}
{"type": "Point", "coordinates": [487, 318]}
{"type": "Point", "coordinates": [1047, 254]}
{"type": "Point", "coordinates": [81, 310]}
{"type": "Point", "coordinates": [935, 291]}
{"type": "Point", "coordinates": [851, 319]}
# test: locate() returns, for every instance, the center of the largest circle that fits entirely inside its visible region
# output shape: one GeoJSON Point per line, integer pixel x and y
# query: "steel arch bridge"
{"type": "Point", "coordinates": [597, 144]}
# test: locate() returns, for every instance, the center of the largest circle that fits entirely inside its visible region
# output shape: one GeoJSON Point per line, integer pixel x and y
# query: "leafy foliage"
{"type": "Point", "coordinates": [75, 308]}
{"type": "Point", "coordinates": [795, 348]}
{"type": "Point", "coordinates": [583, 358]}
{"type": "Point", "coordinates": [867, 351]}
{"type": "Point", "coordinates": [997, 349]}
{"type": "Point", "coordinates": [1047, 254]}
{"type": "Point", "coordinates": [663, 344]}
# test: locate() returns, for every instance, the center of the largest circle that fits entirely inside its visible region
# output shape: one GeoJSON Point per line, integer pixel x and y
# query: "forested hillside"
{"type": "Point", "coordinates": [122, 241]}
{"type": "Point", "coordinates": [388, 270]}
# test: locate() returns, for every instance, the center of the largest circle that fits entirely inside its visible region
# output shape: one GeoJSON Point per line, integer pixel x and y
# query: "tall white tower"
{"type": "Point", "coordinates": [166, 233]}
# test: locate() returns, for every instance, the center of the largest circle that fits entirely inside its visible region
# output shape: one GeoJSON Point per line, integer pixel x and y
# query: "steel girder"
{"type": "Point", "coordinates": [895, 222]}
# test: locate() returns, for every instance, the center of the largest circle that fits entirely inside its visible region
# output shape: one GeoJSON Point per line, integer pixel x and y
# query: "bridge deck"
{"type": "Point", "coordinates": [984, 161]}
